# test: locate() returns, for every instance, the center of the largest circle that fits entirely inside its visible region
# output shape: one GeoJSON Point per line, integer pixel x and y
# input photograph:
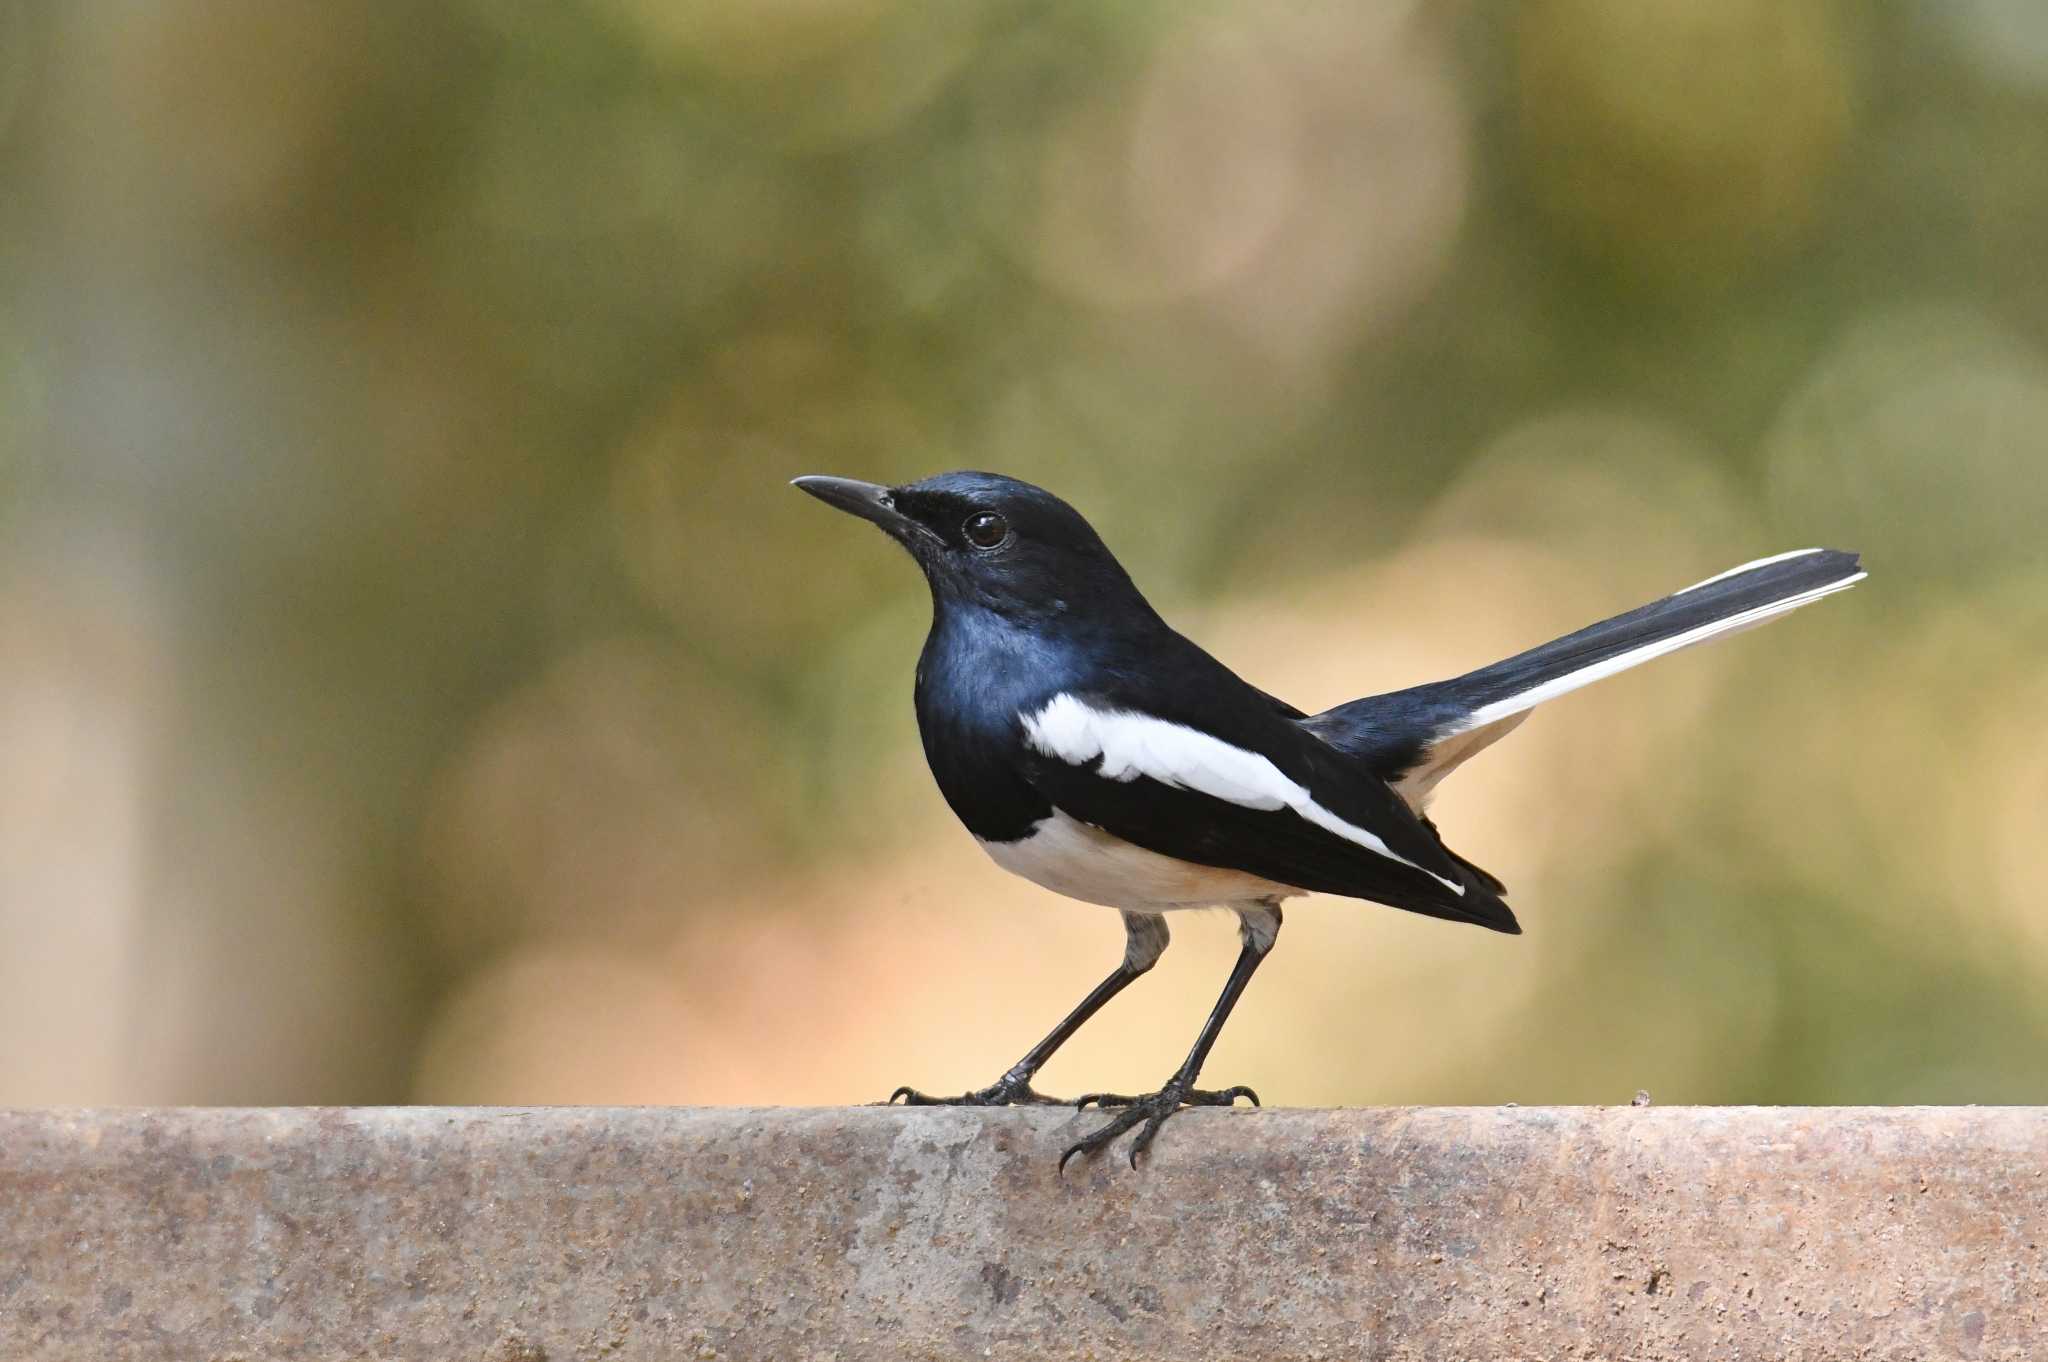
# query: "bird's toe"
{"type": "Point", "coordinates": [1107, 1099]}
{"type": "Point", "coordinates": [1146, 1113]}
{"type": "Point", "coordinates": [1101, 1139]}
{"type": "Point", "coordinates": [1222, 1097]}
{"type": "Point", "coordinates": [1005, 1092]}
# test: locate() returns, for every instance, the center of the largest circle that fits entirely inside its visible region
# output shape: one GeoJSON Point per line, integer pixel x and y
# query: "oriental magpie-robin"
{"type": "Point", "coordinates": [1094, 751]}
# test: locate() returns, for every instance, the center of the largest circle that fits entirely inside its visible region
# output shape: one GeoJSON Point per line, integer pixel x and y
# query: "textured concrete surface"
{"type": "Point", "coordinates": [556, 1234]}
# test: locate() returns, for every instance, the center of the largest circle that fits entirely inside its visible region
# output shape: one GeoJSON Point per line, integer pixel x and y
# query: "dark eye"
{"type": "Point", "coordinates": [986, 529]}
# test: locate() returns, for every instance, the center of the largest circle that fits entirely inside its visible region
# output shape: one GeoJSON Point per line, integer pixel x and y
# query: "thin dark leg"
{"type": "Point", "coordinates": [1145, 939]}
{"type": "Point", "coordinates": [1259, 928]}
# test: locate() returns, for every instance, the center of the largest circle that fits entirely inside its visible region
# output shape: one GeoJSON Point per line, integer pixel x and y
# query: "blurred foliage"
{"type": "Point", "coordinates": [417, 681]}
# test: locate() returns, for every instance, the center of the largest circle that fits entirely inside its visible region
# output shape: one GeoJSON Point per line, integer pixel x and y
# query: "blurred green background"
{"type": "Point", "coordinates": [418, 683]}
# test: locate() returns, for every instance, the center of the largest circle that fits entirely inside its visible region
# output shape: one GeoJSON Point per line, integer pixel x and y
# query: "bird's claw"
{"type": "Point", "coordinates": [1150, 1110]}
{"type": "Point", "coordinates": [1194, 1097]}
{"type": "Point", "coordinates": [1004, 1092]}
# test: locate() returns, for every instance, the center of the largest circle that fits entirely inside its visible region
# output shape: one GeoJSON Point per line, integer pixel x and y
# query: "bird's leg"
{"type": "Point", "coordinates": [1258, 927]}
{"type": "Point", "coordinates": [1145, 938]}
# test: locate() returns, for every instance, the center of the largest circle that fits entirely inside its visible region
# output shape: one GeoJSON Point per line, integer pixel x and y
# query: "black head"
{"type": "Point", "coordinates": [985, 539]}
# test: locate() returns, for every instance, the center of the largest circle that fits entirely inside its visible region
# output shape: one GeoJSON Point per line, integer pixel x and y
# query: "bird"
{"type": "Point", "coordinates": [1095, 751]}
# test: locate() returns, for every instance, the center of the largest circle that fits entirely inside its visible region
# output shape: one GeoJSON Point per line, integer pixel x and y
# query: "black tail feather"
{"type": "Point", "coordinates": [1696, 608]}
{"type": "Point", "coordinates": [1393, 732]}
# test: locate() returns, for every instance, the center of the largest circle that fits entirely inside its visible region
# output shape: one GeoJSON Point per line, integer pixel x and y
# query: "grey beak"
{"type": "Point", "coordinates": [868, 500]}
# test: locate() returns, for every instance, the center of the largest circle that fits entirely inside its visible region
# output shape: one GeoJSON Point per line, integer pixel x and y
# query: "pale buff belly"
{"type": "Point", "coordinates": [1083, 862]}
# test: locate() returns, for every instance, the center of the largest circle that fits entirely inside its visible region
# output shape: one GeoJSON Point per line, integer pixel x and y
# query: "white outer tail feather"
{"type": "Point", "coordinates": [1621, 662]}
{"type": "Point", "coordinates": [1753, 564]}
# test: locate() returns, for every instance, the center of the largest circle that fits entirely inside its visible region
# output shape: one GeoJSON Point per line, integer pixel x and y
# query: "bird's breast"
{"type": "Point", "coordinates": [1080, 860]}
{"type": "Point", "coordinates": [974, 677]}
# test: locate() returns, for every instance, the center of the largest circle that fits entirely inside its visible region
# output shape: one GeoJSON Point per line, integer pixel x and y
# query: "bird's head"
{"type": "Point", "coordinates": [984, 539]}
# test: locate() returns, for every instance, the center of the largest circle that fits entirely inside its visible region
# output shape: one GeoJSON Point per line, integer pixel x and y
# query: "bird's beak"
{"type": "Point", "coordinates": [868, 500]}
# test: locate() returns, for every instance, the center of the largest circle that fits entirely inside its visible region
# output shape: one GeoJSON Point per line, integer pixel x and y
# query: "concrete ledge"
{"type": "Point", "coordinates": [556, 1234]}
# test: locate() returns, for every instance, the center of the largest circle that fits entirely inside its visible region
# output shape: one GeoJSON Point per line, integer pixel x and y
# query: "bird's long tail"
{"type": "Point", "coordinates": [1414, 737]}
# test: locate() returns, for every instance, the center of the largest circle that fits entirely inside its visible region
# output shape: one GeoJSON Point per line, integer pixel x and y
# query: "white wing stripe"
{"type": "Point", "coordinates": [1132, 745]}
{"type": "Point", "coordinates": [1621, 662]}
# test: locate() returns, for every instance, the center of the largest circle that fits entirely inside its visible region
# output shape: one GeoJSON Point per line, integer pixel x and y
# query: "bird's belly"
{"type": "Point", "coordinates": [1083, 862]}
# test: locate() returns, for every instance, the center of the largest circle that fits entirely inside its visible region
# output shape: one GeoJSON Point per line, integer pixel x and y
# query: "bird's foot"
{"type": "Point", "coordinates": [1195, 1097]}
{"type": "Point", "coordinates": [1007, 1091]}
{"type": "Point", "coordinates": [1149, 1110]}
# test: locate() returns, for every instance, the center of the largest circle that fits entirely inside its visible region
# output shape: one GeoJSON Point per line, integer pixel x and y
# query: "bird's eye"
{"type": "Point", "coordinates": [986, 529]}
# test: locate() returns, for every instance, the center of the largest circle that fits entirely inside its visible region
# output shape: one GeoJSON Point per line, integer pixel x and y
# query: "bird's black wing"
{"type": "Point", "coordinates": [1245, 789]}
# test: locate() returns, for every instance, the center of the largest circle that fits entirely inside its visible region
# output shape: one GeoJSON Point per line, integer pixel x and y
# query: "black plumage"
{"type": "Point", "coordinates": [1092, 748]}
